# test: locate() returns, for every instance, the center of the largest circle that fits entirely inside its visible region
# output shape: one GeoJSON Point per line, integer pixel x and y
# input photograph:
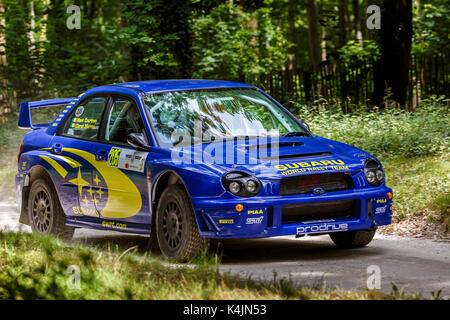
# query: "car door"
{"type": "Point", "coordinates": [120, 168]}
{"type": "Point", "coordinates": [70, 152]}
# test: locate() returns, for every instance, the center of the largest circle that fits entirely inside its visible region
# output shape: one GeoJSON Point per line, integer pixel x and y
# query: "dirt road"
{"type": "Point", "coordinates": [414, 265]}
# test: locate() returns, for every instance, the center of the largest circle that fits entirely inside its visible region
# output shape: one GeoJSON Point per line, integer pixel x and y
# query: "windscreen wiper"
{"type": "Point", "coordinates": [295, 134]}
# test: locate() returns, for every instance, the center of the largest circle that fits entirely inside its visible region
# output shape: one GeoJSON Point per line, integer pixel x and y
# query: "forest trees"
{"type": "Point", "coordinates": [394, 38]}
{"type": "Point", "coordinates": [126, 40]}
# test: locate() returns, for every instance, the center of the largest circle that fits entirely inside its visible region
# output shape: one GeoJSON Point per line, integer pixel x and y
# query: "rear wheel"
{"type": "Point", "coordinates": [44, 211]}
{"type": "Point", "coordinates": [176, 226]}
{"type": "Point", "coordinates": [352, 239]}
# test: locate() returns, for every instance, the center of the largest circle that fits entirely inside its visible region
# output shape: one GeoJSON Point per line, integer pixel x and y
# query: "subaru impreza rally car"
{"type": "Point", "coordinates": [188, 160]}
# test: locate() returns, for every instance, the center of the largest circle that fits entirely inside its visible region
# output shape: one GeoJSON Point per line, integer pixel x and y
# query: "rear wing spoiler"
{"type": "Point", "coordinates": [25, 121]}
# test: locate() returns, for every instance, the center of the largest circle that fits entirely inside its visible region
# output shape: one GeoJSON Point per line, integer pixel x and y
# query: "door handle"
{"type": "Point", "coordinates": [56, 148]}
{"type": "Point", "coordinates": [101, 156]}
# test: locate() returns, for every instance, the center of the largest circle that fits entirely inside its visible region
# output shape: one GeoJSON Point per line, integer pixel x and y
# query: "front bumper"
{"type": "Point", "coordinates": [262, 216]}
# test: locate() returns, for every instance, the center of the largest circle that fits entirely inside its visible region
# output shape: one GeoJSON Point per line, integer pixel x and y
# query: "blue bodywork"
{"type": "Point", "coordinates": [94, 195]}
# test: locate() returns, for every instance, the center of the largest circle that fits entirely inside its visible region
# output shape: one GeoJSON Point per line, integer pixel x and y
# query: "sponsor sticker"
{"type": "Point", "coordinates": [256, 211]}
{"type": "Point", "coordinates": [327, 227]}
{"type": "Point", "coordinates": [85, 211]}
{"type": "Point", "coordinates": [79, 111]}
{"type": "Point", "coordinates": [226, 221]}
{"type": "Point", "coordinates": [127, 159]}
{"type": "Point", "coordinates": [257, 220]}
{"type": "Point", "coordinates": [381, 209]}
{"type": "Point", "coordinates": [114, 225]}
{"type": "Point", "coordinates": [311, 166]}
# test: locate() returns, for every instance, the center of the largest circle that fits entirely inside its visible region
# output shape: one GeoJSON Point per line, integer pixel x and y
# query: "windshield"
{"type": "Point", "coordinates": [211, 115]}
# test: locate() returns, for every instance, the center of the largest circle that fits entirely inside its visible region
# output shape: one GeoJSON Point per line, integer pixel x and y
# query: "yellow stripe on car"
{"type": "Point", "coordinates": [119, 204]}
{"type": "Point", "coordinates": [63, 172]}
{"type": "Point", "coordinates": [69, 161]}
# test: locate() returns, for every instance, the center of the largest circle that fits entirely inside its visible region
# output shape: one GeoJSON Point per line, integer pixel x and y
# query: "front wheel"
{"type": "Point", "coordinates": [44, 211]}
{"type": "Point", "coordinates": [352, 239]}
{"type": "Point", "coordinates": [176, 226]}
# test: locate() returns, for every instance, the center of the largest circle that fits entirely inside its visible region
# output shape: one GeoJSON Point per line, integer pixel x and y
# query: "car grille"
{"type": "Point", "coordinates": [304, 184]}
{"type": "Point", "coordinates": [300, 212]}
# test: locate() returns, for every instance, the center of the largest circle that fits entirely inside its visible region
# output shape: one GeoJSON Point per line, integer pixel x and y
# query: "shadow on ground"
{"type": "Point", "coordinates": [243, 250]}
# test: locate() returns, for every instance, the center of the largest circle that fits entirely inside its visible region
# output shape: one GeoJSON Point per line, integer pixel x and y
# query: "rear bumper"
{"type": "Point", "coordinates": [262, 216]}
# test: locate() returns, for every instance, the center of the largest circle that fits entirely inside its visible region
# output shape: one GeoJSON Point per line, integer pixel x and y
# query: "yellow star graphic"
{"type": "Point", "coordinates": [100, 192]}
{"type": "Point", "coordinates": [79, 181]}
{"type": "Point", "coordinates": [97, 180]}
{"type": "Point", "coordinates": [85, 200]}
{"type": "Point", "coordinates": [90, 191]}
{"type": "Point", "coordinates": [95, 200]}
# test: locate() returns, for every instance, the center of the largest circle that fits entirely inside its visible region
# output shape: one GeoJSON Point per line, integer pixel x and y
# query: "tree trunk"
{"type": "Point", "coordinates": [292, 35]}
{"type": "Point", "coordinates": [32, 25]}
{"type": "Point", "coordinates": [313, 33]}
{"type": "Point", "coordinates": [357, 22]}
{"type": "Point", "coordinates": [394, 37]}
{"type": "Point", "coordinates": [342, 9]}
{"type": "Point", "coordinates": [323, 44]}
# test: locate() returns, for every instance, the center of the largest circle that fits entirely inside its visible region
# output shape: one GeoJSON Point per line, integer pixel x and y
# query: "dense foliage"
{"type": "Point", "coordinates": [388, 133]}
{"type": "Point", "coordinates": [155, 39]}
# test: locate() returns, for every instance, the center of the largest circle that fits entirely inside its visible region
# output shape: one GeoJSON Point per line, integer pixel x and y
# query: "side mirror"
{"type": "Point", "coordinates": [138, 141]}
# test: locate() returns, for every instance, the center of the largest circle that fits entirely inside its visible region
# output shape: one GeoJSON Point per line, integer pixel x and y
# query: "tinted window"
{"type": "Point", "coordinates": [123, 119]}
{"type": "Point", "coordinates": [221, 113]}
{"type": "Point", "coordinates": [85, 120]}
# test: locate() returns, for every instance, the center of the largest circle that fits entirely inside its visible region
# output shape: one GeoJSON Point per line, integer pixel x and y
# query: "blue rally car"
{"type": "Point", "coordinates": [185, 161]}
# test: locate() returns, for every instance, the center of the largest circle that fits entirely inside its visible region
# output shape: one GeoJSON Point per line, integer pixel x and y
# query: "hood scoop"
{"type": "Point", "coordinates": [296, 156]}
{"type": "Point", "coordinates": [285, 144]}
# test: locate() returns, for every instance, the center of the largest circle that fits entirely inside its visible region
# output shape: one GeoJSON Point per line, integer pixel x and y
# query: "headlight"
{"type": "Point", "coordinates": [251, 185]}
{"type": "Point", "coordinates": [235, 187]}
{"type": "Point", "coordinates": [241, 183]}
{"type": "Point", "coordinates": [373, 172]}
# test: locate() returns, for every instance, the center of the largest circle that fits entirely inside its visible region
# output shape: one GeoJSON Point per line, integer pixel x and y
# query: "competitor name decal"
{"type": "Point", "coordinates": [127, 159]}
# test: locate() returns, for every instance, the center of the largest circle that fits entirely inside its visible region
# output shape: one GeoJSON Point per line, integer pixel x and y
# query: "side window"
{"type": "Point", "coordinates": [124, 118]}
{"type": "Point", "coordinates": [85, 121]}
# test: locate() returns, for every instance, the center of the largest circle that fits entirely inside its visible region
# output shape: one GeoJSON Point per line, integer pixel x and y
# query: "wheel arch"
{"type": "Point", "coordinates": [164, 179]}
{"type": "Point", "coordinates": [34, 173]}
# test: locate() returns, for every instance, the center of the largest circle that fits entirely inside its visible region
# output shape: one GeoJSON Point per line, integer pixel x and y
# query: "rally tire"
{"type": "Point", "coordinates": [352, 239]}
{"type": "Point", "coordinates": [176, 226]}
{"type": "Point", "coordinates": [45, 213]}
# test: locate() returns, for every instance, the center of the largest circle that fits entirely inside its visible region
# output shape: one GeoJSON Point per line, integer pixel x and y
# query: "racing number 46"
{"type": "Point", "coordinates": [113, 159]}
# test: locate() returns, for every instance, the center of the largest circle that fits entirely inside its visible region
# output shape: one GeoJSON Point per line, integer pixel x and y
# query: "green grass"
{"type": "Point", "coordinates": [421, 186]}
{"type": "Point", "coordinates": [36, 267]}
